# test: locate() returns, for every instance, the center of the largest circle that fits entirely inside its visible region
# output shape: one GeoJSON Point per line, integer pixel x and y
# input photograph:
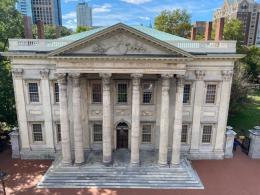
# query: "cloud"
{"type": "Point", "coordinates": [103, 8]}
{"type": "Point", "coordinates": [71, 24]}
{"type": "Point", "coordinates": [137, 2]}
{"type": "Point", "coordinates": [144, 18]}
{"type": "Point", "coordinates": [70, 15]}
{"type": "Point", "coordinates": [67, 1]}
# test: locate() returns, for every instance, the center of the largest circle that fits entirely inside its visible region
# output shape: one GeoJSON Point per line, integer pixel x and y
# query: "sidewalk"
{"type": "Point", "coordinates": [238, 176]}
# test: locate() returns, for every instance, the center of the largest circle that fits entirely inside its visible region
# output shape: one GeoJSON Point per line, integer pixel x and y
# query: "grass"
{"type": "Point", "coordinates": [248, 117]}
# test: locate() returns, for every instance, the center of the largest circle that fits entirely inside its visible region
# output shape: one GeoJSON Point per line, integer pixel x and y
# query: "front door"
{"type": "Point", "coordinates": [122, 135]}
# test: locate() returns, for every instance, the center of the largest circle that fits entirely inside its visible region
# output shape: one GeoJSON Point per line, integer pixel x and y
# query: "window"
{"type": "Point", "coordinates": [37, 132]}
{"type": "Point", "coordinates": [56, 93]}
{"type": "Point", "coordinates": [96, 93]}
{"type": "Point", "coordinates": [122, 93]}
{"type": "Point", "coordinates": [146, 133]}
{"type": "Point", "coordinates": [184, 134]}
{"type": "Point", "coordinates": [97, 132]}
{"type": "Point", "coordinates": [206, 134]}
{"type": "Point", "coordinates": [58, 133]}
{"type": "Point", "coordinates": [211, 94]}
{"type": "Point", "coordinates": [186, 93]}
{"type": "Point", "coordinates": [33, 92]}
{"type": "Point", "coordinates": [147, 93]}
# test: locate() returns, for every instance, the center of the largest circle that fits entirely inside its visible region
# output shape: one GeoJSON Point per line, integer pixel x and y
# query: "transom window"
{"type": "Point", "coordinates": [146, 133]}
{"type": "Point", "coordinates": [122, 92]}
{"type": "Point", "coordinates": [147, 93]}
{"type": "Point", "coordinates": [56, 93]}
{"type": "Point", "coordinates": [184, 134]}
{"type": "Point", "coordinates": [33, 92]}
{"type": "Point", "coordinates": [96, 93]}
{"type": "Point", "coordinates": [211, 94]}
{"type": "Point", "coordinates": [207, 134]}
{"type": "Point", "coordinates": [37, 132]}
{"type": "Point", "coordinates": [186, 93]}
{"type": "Point", "coordinates": [58, 132]}
{"type": "Point", "coordinates": [97, 132]}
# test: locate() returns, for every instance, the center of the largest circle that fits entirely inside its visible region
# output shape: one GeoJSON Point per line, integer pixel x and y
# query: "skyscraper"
{"type": "Point", "coordinates": [84, 14]}
{"type": "Point", "coordinates": [24, 7]}
{"type": "Point", "coordinates": [247, 11]}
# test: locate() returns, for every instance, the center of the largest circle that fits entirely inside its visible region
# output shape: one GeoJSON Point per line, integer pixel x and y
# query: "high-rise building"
{"type": "Point", "coordinates": [84, 14]}
{"type": "Point", "coordinates": [48, 11]}
{"type": "Point", "coordinates": [247, 11]}
{"type": "Point", "coordinates": [24, 7]}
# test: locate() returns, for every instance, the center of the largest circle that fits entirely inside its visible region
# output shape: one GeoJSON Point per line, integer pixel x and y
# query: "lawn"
{"type": "Point", "coordinates": [249, 116]}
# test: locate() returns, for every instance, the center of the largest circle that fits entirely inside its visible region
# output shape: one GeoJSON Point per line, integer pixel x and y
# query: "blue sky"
{"type": "Point", "coordinates": [107, 12]}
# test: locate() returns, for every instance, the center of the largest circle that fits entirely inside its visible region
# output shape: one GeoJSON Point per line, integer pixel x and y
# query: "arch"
{"type": "Point", "coordinates": [122, 135]}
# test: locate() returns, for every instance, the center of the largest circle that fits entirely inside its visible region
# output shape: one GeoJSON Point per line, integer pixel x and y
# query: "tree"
{"type": "Point", "coordinates": [11, 26]}
{"type": "Point", "coordinates": [233, 30]}
{"type": "Point", "coordinates": [82, 29]}
{"type": "Point", "coordinates": [52, 32]}
{"type": "Point", "coordinates": [177, 22]}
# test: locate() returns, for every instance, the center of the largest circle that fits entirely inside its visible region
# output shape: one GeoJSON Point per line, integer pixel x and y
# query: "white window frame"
{"type": "Point", "coordinates": [216, 95]}
{"type": "Point", "coordinates": [152, 133]}
{"type": "Point", "coordinates": [128, 92]}
{"type": "Point", "coordinates": [92, 131]}
{"type": "Point", "coordinates": [43, 133]}
{"type": "Point", "coordinates": [56, 132]}
{"type": "Point", "coordinates": [28, 93]}
{"type": "Point", "coordinates": [188, 134]}
{"type": "Point", "coordinates": [142, 92]}
{"type": "Point", "coordinates": [54, 92]}
{"type": "Point", "coordinates": [212, 134]}
{"type": "Point", "coordinates": [190, 95]}
{"type": "Point", "coordinates": [91, 91]}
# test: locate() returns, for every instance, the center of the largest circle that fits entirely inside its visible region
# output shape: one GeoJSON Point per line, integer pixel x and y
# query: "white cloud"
{"type": "Point", "coordinates": [71, 24]}
{"type": "Point", "coordinates": [70, 15]}
{"type": "Point", "coordinates": [67, 1]}
{"type": "Point", "coordinates": [144, 18]}
{"type": "Point", "coordinates": [103, 8]}
{"type": "Point", "coordinates": [137, 2]}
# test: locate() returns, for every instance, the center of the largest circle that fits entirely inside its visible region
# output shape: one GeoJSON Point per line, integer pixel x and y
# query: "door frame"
{"type": "Point", "coordinates": [115, 134]}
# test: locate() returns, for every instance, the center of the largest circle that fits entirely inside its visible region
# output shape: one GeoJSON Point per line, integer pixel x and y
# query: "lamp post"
{"type": "Point", "coordinates": [3, 176]}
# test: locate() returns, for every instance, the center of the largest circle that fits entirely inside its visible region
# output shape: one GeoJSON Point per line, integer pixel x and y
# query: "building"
{"type": "Point", "coordinates": [84, 14]}
{"type": "Point", "coordinates": [246, 11]}
{"type": "Point", "coordinates": [24, 7]}
{"type": "Point", "coordinates": [200, 27]}
{"type": "Point", "coordinates": [48, 11]}
{"type": "Point", "coordinates": [122, 87]}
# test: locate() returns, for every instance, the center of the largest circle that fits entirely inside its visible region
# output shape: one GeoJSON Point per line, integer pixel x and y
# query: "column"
{"type": "Point", "coordinates": [135, 131]}
{"type": "Point", "coordinates": [107, 128]}
{"type": "Point", "coordinates": [164, 120]}
{"type": "Point", "coordinates": [230, 137]}
{"type": "Point", "coordinates": [198, 101]}
{"type": "Point", "coordinates": [64, 120]}
{"type": "Point", "coordinates": [47, 109]}
{"type": "Point", "coordinates": [77, 125]}
{"type": "Point", "coordinates": [223, 109]}
{"type": "Point", "coordinates": [177, 126]}
{"type": "Point", "coordinates": [20, 108]}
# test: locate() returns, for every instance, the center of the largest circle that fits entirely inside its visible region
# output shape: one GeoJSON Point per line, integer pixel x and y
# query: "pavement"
{"type": "Point", "coordinates": [238, 176]}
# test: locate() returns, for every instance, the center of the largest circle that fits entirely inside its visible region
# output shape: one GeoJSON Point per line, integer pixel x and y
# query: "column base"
{"type": "Point", "coordinates": [135, 164]}
{"type": "Point", "coordinates": [79, 164]}
{"type": "Point", "coordinates": [107, 164]}
{"type": "Point", "coordinates": [66, 164]}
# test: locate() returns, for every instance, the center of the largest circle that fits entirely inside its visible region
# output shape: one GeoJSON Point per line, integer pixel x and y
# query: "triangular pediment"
{"type": "Point", "coordinates": [120, 40]}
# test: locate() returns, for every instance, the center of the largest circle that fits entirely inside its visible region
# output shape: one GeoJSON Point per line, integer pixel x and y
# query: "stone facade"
{"type": "Point", "coordinates": [184, 91]}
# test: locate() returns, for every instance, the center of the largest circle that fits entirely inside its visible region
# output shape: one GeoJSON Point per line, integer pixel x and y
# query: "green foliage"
{"type": "Point", "coordinates": [252, 64]}
{"type": "Point", "coordinates": [52, 32]}
{"type": "Point", "coordinates": [82, 29]}
{"type": "Point", "coordinates": [177, 22]}
{"type": "Point", "coordinates": [11, 22]}
{"type": "Point", "coordinates": [233, 30]}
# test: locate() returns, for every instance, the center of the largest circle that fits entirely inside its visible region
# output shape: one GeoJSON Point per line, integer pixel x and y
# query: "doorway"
{"type": "Point", "coordinates": [122, 135]}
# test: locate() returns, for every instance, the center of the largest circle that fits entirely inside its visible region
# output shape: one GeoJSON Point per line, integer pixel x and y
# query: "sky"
{"type": "Point", "coordinates": [135, 12]}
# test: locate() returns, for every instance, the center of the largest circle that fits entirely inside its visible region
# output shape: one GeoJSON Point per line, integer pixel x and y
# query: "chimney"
{"type": "Point", "coordinates": [27, 22]}
{"type": "Point", "coordinates": [40, 29]}
{"type": "Point", "coordinates": [208, 31]}
{"type": "Point", "coordinates": [219, 29]}
{"type": "Point", "coordinates": [193, 33]}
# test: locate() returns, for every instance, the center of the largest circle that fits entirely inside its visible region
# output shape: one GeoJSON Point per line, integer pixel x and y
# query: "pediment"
{"type": "Point", "coordinates": [120, 40]}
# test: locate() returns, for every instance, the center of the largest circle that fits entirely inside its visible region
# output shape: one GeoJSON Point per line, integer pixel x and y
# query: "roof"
{"type": "Point", "coordinates": [163, 36]}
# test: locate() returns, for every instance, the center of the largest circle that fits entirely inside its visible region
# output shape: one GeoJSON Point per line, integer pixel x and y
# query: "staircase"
{"type": "Point", "coordinates": [99, 176]}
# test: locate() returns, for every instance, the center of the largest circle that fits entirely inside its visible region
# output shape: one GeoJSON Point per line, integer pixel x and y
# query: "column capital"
{"type": "Point", "coordinates": [106, 80]}
{"type": "Point", "coordinates": [227, 74]}
{"type": "Point", "coordinates": [200, 74]}
{"type": "Point", "coordinates": [180, 80]}
{"type": "Point", "coordinates": [61, 77]}
{"type": "Point", "coordinates": [74, 75]}
{"type": "Point", "coordinates": [136, 79]}
{"type": "Point", "coordinates": [45, 73]}
{"type": "Point", "coordinates": [166, 76]}
{"type": "Point", "coordinates": [105, 75]}
{"type": "Point", "coordinates": [136, 75]}
{"type": "Point", "coordinates": [17, 72]}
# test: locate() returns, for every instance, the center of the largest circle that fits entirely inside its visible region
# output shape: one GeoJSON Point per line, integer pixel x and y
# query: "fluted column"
{"type": "Point", "coordinates": [64, 120]}
{"type": "Point", "coordinates": [164, 120]}
{"type": "Point", "coordinates": [107, 128]}
{"type": "Point", "coordinates": [198, 101]}
{"type": "Point", "coordinates": [223, 109]}
{"type": "Point", "coordinates": [135, 131]}
{"type": "Point", "coordinates": [177, 126]}
{"type": "Point", "coordinates": [78, 132]}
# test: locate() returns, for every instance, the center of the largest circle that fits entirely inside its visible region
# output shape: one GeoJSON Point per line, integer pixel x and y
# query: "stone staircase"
{"type": "Point", "coordinates": [99, 176]}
